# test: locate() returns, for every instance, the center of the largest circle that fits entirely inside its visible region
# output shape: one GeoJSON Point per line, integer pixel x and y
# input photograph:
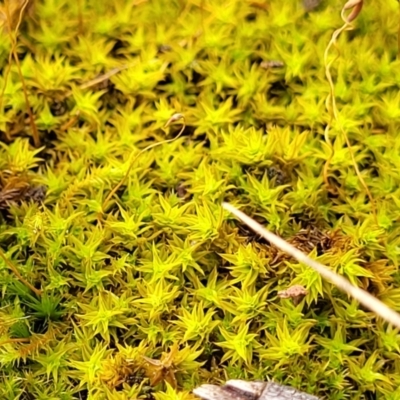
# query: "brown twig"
{"type": "Point", "coordinates": [18, 275]}
{"type": "Point", "coordinates": [13, 40]}
{"type": "Point", "coordinates": [14, 340]}
{"type": "Point", "coordinates": [398, 35]}
{"type": "Point", "coordinates": [80, 17]}
{"type": "Point", "coordinates": [69, 124]}
{"type": "Point", "coordinates": [10, 56]}
{"type": "Point", "coordinates": [101, 78]}
{"type": "Point", "coordinates": [363, 297]}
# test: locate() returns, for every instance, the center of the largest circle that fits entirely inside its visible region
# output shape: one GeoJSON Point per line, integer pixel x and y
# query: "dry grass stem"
{"type": "Point", "coordinates": [355, 6]}
{"type": "Point", "coordinates": [363, 297]}
{"type": "Point", "coordinates": [173, 119]}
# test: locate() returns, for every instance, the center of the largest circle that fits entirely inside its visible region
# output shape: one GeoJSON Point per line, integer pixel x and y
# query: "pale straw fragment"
{"type": "Point", "coordinates": [363, 297]}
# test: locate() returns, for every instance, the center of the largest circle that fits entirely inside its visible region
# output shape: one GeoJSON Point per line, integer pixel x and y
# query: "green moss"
{"type": "Point", "coordinates": [158, 289]}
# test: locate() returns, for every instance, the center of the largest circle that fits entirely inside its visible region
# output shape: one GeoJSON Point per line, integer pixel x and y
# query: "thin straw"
{"type": "Point", "coordinates": [363, 297]}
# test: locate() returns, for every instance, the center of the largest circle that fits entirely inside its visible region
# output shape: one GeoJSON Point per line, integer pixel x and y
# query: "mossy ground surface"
{"type": "Point", "coordinates": [162, 271]}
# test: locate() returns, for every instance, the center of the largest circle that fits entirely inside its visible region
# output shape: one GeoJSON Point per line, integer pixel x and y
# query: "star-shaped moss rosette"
{"type": "Point", "coordinates": [114, 245]}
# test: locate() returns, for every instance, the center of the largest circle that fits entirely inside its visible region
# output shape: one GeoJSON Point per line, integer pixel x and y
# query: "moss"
{"type": "Point", "coordinates": [121, 274]}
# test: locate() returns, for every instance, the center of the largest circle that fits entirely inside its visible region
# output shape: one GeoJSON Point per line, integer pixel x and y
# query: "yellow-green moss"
{"type": "Point", "coordinates": [163, 273]}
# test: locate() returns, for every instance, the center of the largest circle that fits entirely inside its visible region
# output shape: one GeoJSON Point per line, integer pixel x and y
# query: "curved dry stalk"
{"type": "Point", "coordinates": [398, 35]}
{"type": "Point", "coordinates": [363, 297]}
{"type": "Point", "coordinates": [14, 54]}
{"type": "Point", "coordinates": [10, 56]}
{"type": "Point", "coordinates": [174, 118]}
{"type": "Point", "coordinates": [355, 6]}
